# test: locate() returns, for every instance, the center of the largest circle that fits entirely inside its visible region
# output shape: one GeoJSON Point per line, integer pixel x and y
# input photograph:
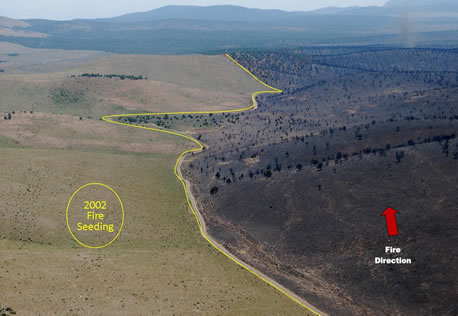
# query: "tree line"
{"type": "Point", "coordinates": [111, 76]}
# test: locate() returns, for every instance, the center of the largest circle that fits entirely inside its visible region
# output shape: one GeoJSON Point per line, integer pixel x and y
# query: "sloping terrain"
{"type": "Point", "coordinates": [80, 84]}
{"type": "Point", "coordinates": [159, 264]}
{"type": "Point", "coordinates": [297, 187]}
{"type": "Point", "coordinates": [17, 28]}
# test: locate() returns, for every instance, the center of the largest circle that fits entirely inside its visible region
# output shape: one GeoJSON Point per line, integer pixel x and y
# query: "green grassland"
{"type": "Point", "coordinates": [159, 265]}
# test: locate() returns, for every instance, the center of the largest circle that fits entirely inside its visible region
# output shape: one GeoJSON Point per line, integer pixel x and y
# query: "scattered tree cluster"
{"type": "Point", "coordinates": [110, 76]}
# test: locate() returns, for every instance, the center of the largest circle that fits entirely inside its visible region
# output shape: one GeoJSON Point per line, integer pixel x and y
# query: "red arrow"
{"type": "Point", "coordinates": [390, 218]}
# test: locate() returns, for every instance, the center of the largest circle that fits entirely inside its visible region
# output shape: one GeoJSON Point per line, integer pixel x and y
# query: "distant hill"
{"type": "Point", "coordinates": [9, 23]}
{"type": "Point", "coordinates": [16, 28]}
{"type": "Point", "coordinates": [210, 13]}
{"type": "Point", "coordinates": [216, 29]}
{"type": "Point", "coordinates": [242, 14]}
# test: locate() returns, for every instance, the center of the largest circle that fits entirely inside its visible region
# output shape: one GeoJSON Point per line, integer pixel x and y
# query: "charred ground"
{"type": "Point", "coordinates": [296, 188]}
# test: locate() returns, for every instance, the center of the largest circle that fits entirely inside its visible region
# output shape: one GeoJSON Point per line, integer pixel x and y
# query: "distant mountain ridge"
{"type": "Point", "coordinates": [216, 13]}
{"type": "Point", "coordinates": [212, 29]}
{"type": "Point", "coordinates": [237, 13]}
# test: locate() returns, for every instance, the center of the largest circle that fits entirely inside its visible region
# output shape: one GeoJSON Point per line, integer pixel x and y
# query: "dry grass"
{"type": "Point", "coordinates": [175, 83]}
{"type": "Point", "coordinates": [160, 264]}
{"type": "Point", "coordinates": [211, 73]}
{"type": "Point", "coordinates": [44, 130]}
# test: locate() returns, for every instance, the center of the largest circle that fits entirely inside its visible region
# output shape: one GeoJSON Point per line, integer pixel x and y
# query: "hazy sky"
{"type": "Point", "coordinates": [70, 9]}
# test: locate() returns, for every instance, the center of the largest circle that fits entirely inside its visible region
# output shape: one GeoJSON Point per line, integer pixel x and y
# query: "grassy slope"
{"type": "Point", "coordinates": [176, 83]}
{"type": "Point", "coordinates": [159, 264]}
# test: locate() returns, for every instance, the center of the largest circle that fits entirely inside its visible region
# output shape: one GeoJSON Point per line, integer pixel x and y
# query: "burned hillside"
{"type": "Point", "coordinates": [296, 187]}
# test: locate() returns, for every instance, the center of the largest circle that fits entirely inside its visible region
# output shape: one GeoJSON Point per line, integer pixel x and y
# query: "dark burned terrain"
{"type": "Point", "coordinates": [297, 187]}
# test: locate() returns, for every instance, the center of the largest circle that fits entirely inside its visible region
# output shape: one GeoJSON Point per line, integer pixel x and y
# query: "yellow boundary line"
{"type": "Point", "coordinates": [108, 118]}
{"type": "Point", "coordinates": [68, 224]}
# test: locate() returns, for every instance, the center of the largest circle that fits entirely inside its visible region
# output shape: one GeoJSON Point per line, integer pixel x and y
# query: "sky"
{"type": "Point", "coordinates": [71, 9]}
